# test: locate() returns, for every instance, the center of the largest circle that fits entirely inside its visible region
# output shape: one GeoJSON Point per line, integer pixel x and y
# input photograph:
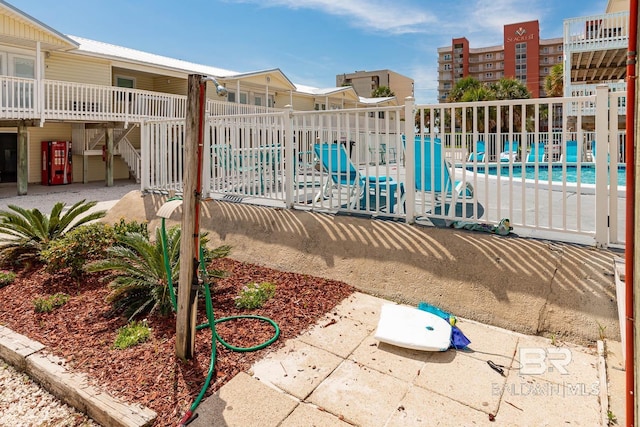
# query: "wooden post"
{"type": "Point", "coordinates": [23, 176]}
{"type": "Point", "coordinates": [108, 161]}
{"type": "Point", "coordinates": [187, 296]}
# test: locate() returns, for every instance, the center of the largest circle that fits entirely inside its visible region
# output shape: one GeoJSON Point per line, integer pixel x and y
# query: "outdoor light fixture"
{"type": "Point", "coordinates": [220, 90]}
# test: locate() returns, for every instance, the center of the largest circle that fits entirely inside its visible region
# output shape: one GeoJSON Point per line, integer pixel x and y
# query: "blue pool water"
{"type": "Point", "coordinates": [587, 172]}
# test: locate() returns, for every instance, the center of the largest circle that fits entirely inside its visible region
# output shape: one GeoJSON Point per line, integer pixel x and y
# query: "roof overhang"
{"type": "Point", "coordinates": [48, 38]}
{"type": "Point", "coordinates": [273, 78]}
{"type": "Point", "coordinates": [598, 65]}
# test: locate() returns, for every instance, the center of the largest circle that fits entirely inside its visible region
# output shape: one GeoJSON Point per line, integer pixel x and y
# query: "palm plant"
{"type": "Point", "coordinates": [138, 277]}
{"type": "Point", "coordinates": [554, 82]}
{"type": "Point", "coordinates": [25, 233]}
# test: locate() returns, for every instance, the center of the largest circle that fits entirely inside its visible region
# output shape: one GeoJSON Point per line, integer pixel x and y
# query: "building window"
{"type": "Point", "coordinates": [319, 107]}
{"type": "Point", "coordinates": [545, 60]}
{"type": "Point", "coordinates": [560, 48]}
{"type": "Point", "coordinates": [488, 75]}
{"type": "Point", "coordinates": [521, 62]}
{"type": "Point", "coordinates": [231, 96]}
{"type": "Point", "coordinates": [126, 82]}
{"type": "Point", "coordinates": [447, 67]}
{"type": "Point", "coordinates": [24, 67]}
{"type": "Point", "coordinates": [545, 50]}
{"type": "Point", "coordinates": [489, 65]}
{"type": "Point", "coordinates": [447, 85]}
{"type": "Point", "coordinates": [545, 70]}
{"type": "Point", "coordinates": [560, 58]}
{"type": "Point", "coordinates": [488, 56]}
{"type": "Point", "coordinates": [447, 57]}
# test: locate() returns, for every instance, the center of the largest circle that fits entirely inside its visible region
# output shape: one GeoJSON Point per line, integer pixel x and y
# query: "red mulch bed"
{"type": "Point", "coordinates": [82, 332]}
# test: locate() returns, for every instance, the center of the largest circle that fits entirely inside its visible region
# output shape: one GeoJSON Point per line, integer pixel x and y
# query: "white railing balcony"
{"type": "Point", "coordinates": [18, 98]}
{"type": "Point", "coordinates": [30, 99]}
{"type": "Point", "coordinates": [79, 101]}
{"type": "Point", "coordinates": [607, 31]}
{"type": "Point", "coordinates": [590, 90]}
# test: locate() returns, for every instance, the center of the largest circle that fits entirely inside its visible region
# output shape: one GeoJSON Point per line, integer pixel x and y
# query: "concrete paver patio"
{"type": "Point", "coordinates": [337, 374]}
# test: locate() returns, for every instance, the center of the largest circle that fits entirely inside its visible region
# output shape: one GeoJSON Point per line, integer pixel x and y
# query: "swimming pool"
{"type": "Point", "coordinates": [587, 172]}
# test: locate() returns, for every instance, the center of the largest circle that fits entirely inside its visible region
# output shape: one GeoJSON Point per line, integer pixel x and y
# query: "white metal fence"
{"type": "Point", "coordinates": [555, 183]}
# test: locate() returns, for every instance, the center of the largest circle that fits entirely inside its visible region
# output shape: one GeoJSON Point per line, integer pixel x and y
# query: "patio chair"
{"type": "Point", "coordinates": [510, 151]}
{"type": "Point", "coordinates": [593, 152]}
{"type": "Point", "coordinates": [479, 154]}
{"type": "Point", "coordinates": [432, 172]}
{"type": "Point", "coordinates": [570, 152]}
{"type": "Point", "coordinates": [235, 169]}
{"type": "Point", "coordinates": [376, 192]}
{"type": "Point", "coordinates": [536, 155]}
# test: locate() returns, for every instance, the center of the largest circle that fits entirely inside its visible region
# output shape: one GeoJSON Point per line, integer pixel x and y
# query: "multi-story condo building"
{"type": "Point", "coordinates": [523, 55]}
{"type": "Point", "coordinates": [365, 82]}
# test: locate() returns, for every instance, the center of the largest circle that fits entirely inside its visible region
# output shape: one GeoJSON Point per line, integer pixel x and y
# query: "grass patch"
{"type": "Point", "coordinates": [47, 304]}
{"type": "Point", "coordinates": [6, 278]}
{"type": "Point", "coordinates": [255, 295]}
{"type": "Point", "coordinates": [132, 334]}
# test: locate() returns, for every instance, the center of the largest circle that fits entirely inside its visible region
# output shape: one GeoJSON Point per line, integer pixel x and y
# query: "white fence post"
{"type": "Point", "coordinates": [207, 156]}
{"type": "Point", "coordinates": [602, 140]}
{"type": "Point", "coordinates": [410, 134]}
{"type": "Point", "coordinates": [290, 155]}
{"type": "Point", "coordinates": [145, 152]}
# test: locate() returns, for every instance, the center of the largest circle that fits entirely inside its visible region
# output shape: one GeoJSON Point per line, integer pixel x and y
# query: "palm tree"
{"type": "Point", "coordinates": [463, 85]}
{"type": "Point", "coordinates": [382, 92]}
{"type": "Point", "coordinates": [25, 233]}
{"type": "Point", "coordinates": [510, 88]}
{"type": "Point", "coordinates": [554, 82]}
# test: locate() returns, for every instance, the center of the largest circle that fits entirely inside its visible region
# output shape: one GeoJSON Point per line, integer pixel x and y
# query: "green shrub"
{"type": "Point", "coordinates": [25, 233]}
{"type": "Point", "coordinates": [137, 275]}
{"type": "Point", "coordinates": [6, 278]}
{"type": "Point", "coordinates": [124, 227]}
{"type": "Point", "coordinates": [47, 304]}
{"type": "Point", "coordinates": [77, 247]}
{"type": "Point", "coordinates": [254, 295]}
{"type": "Point", "coordinates": [132, 334]}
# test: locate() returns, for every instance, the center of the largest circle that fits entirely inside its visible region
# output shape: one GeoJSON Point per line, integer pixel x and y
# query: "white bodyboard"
{"type": "Point", "coordinates": [412, 328]}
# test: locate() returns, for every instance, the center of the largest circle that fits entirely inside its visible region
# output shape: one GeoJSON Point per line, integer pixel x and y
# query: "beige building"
{"type": "Point", "coordinates": [57, 87]}
{"type": "Point", "coordinates": [365, 82]}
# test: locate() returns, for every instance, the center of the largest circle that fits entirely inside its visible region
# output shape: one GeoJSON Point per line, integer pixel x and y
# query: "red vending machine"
{"type": "Point", "coordinates": [56, 163]}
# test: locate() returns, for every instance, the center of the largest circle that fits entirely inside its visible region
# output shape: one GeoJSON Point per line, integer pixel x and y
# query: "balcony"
{"type": "Point", "coordinates": [597, 32]}
{"type": "Point", "coordinates": [30, 99]}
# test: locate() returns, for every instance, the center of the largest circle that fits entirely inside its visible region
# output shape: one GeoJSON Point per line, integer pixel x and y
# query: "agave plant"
{"type": "Point", "coordinates": [24, 233]}
{"type": "Point", "coordinates": [138, 277]}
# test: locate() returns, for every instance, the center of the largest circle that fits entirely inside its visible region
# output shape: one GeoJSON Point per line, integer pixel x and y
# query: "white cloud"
{"type": "Point", "coordinates": [492, 15]}
{"type": "Point", "coordinates": [395, 17]}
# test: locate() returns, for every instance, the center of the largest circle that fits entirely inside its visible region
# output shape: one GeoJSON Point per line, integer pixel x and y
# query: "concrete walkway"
{"type": "Point", "coordinates": [337, 374]}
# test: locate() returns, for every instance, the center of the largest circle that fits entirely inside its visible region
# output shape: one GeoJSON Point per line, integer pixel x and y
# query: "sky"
{"type": "Point", "coordinates": [311, 41]}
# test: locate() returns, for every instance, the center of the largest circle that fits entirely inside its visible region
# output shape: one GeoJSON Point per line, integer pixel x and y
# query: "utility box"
{"type": "Point", "coordinates": [56, 163]}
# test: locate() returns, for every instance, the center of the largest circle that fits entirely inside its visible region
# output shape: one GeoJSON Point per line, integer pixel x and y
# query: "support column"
{"type": "Point", "coordinates": [190, 242]}
{"type": "Point", "coordinates": [23, 149]}
{"type": "Point", "coordinates": [108, 165]}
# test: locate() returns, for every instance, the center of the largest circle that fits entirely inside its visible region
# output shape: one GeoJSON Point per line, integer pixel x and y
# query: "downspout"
{"type": "Point", "coordinates": [630, 214]}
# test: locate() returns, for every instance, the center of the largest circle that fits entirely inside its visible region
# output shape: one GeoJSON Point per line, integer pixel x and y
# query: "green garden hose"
{"type": "Point", "coordinates": [211, 322]}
